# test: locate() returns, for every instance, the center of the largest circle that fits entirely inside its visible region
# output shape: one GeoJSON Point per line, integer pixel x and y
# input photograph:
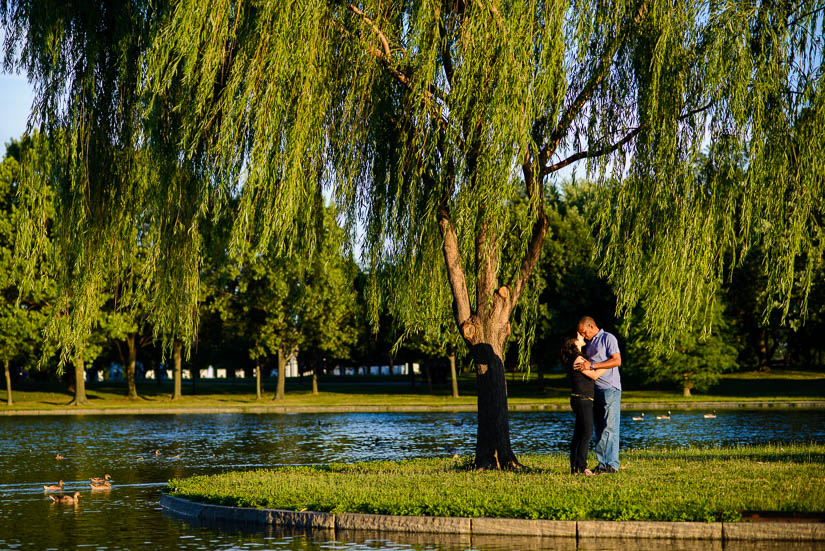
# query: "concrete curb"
{"type": "Point", "coordinates": [628, 406]}
{"type": "Point", "coordinates": [485, 527]}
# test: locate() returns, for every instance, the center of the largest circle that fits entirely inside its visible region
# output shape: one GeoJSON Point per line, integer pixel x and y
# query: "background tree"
{"type": "Point", "coordinates": [694, 361]}
{"type": "Point", "coordinates": [24, 311]}
{"type": "Point", "coordinates": [328, 300]}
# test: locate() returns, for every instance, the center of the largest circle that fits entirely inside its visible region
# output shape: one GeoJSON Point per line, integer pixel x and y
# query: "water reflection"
{"type": "Point", "coordinates": [128, 516]}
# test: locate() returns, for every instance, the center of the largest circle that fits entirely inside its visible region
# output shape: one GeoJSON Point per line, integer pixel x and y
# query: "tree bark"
{"type": "Point", "coordinates": [177, 394]}
{"type": "Point", "coordinates": [80, 398]}
{"type": "Point", "coordinates": [493, 449]}
{"type": "Point", "coordinates": [258, 380]}
{"type": "Point", "coordinates": [279, 391]}
{"type": "Point", "coordinates": [130, 366]}
{"type": "Point", "coordinates": [9, 401]}
{"type": "Point", "coordinates": [453, 375]}
{"type": "Point", "coordinates": [686, 390]}
{"type": "Point", "coordinates": [315, 380]}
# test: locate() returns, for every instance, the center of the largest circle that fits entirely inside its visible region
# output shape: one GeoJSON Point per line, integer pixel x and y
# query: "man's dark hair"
{"type": "Point", "coordinates": [585, 320]}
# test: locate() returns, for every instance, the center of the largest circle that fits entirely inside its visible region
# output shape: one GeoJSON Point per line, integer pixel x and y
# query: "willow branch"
{"type": "Point", "coordinates": [586, 92]}
{"type": "Point", "coordinates": [385, 57]}
{"type": "Point", "coordinates": [611, 148]}
{"type": "Point", "coordinates": [531, 258]}
{"type": "Point", "coordinates": [455, 273]}
{"type": "Point", "coordinates": [486, 264]}
{"type": "Point", "coordinates": [592, 153]}
{"type": "Point", "coordinates": [381, 36]}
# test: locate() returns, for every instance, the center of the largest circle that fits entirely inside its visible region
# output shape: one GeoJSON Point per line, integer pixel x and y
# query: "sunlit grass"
{"type": "Point", "coordinates": [692, 484]}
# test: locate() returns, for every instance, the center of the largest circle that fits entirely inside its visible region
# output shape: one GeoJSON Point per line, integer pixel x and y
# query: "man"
{"type": "Point", "coordinates": [603, 354]}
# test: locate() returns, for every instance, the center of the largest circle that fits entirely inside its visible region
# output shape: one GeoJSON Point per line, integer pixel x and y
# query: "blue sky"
{"type": "Point", "coordinates": [15, 104]}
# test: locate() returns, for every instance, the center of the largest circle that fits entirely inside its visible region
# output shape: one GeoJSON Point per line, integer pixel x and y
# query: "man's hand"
{"type": "Point", "coordinates": [580, 364]}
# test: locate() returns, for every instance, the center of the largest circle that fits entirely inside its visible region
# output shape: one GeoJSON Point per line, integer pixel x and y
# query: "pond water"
{"type": "Point", "coordinates": [129, 517]}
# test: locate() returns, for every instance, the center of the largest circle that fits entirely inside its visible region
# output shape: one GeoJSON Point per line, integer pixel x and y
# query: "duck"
{"type": "Point", "coordinates": [156, 453]}
{"type": "Point", "coordinates": [710, 415]}
{"type": "Point", "coordinates": [641, 418]}
{"type": "Point", "coordinates": [98, 480]}
{"type": "Point", "coordinates": [665, 417]}
{"type": "Point", "coordinates": [66, 499]}
{"type": "Point", "coordinates": [58, 457]}
{"type": "Point", "coordinates": [50, 487]}
{"type": "Point", "coordinates": [101, 486]}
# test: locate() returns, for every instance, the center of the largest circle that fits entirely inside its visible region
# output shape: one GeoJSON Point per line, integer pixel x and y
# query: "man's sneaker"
{"type": "Point", "coordinates": [604, 470]}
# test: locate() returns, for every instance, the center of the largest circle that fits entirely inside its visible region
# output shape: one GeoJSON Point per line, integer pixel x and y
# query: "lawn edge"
{"type": "Point", "coordinates": [412, 408]}
{"type": "Point", "coordinates": [584, 529]}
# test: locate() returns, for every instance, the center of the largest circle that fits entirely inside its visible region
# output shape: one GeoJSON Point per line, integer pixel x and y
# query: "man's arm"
{"type": "Point", "coordinates": [615, 360]}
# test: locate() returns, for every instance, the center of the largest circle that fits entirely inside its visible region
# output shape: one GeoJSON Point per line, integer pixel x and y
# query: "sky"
{"type": "Point", "coordinates": [16, 96]}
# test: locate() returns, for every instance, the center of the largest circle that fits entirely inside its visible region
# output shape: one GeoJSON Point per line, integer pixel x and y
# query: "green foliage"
{"type": "Point", "coordinates": [24, 310]}
{"type": "Point", "coordinates": [703, 485]}
{"type": "Point", "coordinates": [695, 360]}
{"type": "Point", "coordinates": [271, 302]}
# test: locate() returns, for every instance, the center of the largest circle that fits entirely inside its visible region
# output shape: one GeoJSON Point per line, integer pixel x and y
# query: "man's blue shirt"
{"type": "Point", "coordinates": [598, 350]}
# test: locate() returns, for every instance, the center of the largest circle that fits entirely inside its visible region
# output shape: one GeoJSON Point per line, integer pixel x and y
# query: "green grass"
{"type": "Point", "coordinates": [396, 391]}
{"type": "Point", "coordinates": [662, 485]}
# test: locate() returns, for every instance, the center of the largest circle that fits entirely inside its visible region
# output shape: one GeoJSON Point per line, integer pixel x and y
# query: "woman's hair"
{"type": "Point", "coordinates": [569, 349]}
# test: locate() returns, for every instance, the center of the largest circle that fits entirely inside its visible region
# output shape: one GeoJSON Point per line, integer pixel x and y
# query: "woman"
{"type": "Point", "coordinates": [581, 400]}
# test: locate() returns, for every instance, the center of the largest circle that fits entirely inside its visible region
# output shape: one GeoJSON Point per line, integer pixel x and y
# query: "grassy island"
{"type": "Point", "coordinates": [694, 484]}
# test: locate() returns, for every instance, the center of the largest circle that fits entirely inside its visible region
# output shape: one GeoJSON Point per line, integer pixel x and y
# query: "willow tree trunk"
{"type": "Point", "coordinates": [279, 390]}
{"type": "Point", "coordinates": [9, 401]}
{"type": "Point", "coordinates": [79, 382]}
{"type": "Point", "coordinates": [453, 375]}
{"type": "Point", "coordinates": [493, 449]}
{"type": "Point", "coordinates": [177, 394]}
{"type": "Point", "coordinates": [487, 328]}
{"type": "Point", "coordinates": [130, 366]}
{"type": "Point", "coordinates": [258, 380]}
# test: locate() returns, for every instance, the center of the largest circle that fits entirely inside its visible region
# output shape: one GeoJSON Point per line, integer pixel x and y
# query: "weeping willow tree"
{"type": "Point", "coordinates": [427, 121]}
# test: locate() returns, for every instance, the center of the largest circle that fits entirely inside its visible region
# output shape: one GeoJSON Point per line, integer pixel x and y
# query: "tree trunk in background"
{"type": "Point", "coordinates": [177, 394]}
{"type": "Point", "coordinates": [429, 377]}
{"type": "Point", "coordinates": [453, 375]}
{"type": "Point", "coordinates": [315, 381]}
{"type": "Point", "coordinates": [79, 383]}
{"type": "Point", "coordinates": [764, 360]}
{"type": "Point", "coordinates": [258, 379]}
{"type": "Point", "coordinates": [540, 376]}
{"type": "Point", "coordinates": [9, 401]}
{"type": "Point", "coordinates": [130, 366]}
{"type": "Point", "coordinates": [412, 374]}
{"type": "Point", "coordinates": [686, 390]}
{"type": "Point", "coordinates": [279, 391]}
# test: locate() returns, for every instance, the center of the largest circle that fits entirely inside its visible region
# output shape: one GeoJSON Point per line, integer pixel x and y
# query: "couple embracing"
{"type": "Point", "coordinates": [592, 359]}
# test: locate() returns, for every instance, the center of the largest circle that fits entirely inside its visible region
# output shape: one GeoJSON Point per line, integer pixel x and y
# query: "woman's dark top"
{"type": "Point", "coordinates": [581, 384]}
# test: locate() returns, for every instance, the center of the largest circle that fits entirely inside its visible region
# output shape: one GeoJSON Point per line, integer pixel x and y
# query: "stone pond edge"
{"type": "Point", "coordinates": [582, 529]}
{"type": "Point", "coordinates": [630, 406]}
